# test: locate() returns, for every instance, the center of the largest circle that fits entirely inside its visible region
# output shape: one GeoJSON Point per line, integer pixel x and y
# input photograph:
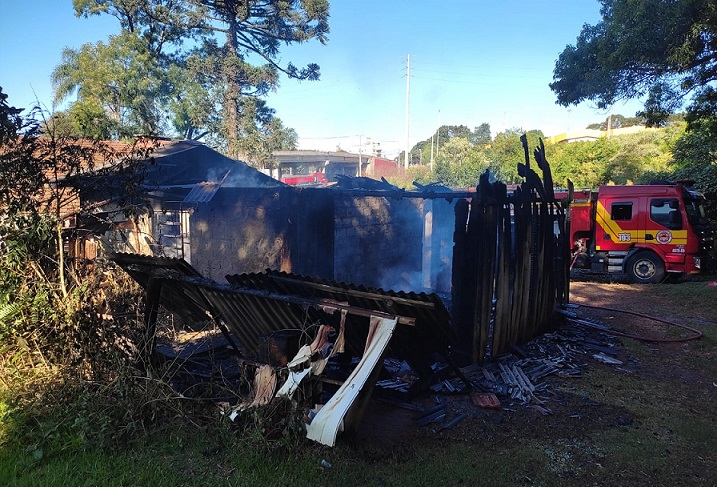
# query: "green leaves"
{"type": "Point", "coordinates": [186, 63]}
{"type": "Point", "coordinates": [663, 48]}
{"type": "Point", "coordinates": [120, 84]}
{"type": "Point", "coordinates": [460, 164]}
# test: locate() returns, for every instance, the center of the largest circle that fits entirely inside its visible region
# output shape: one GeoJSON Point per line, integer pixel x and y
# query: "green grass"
{"type": "Point", "coordinates": [642, 454]}
{"type": "Point", "coordinates": [186, 460]}
{"type": "Point", "coordinates": [655, 425]}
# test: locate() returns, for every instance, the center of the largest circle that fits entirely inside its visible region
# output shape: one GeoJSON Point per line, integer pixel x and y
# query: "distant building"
{"type": "Point", "coordinates": [319, 167]}
{"type": "Point", "coordinates": [311, 163]}
{"type": "Point", "coordinates": [587, 135]}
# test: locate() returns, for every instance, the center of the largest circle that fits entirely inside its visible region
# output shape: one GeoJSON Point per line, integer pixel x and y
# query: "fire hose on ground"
{"type": "Point", "coordinates": [694, 336]}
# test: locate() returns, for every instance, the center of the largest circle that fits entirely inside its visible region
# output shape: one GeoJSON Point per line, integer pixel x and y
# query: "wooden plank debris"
{"type": "Point", "coordinates": [327, 423]}
{"type": "Point", "coordinates": [561, 353]}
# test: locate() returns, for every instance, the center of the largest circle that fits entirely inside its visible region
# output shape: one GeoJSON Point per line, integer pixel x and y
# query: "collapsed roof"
{"type": "Point", "coordinates": [252, 307]}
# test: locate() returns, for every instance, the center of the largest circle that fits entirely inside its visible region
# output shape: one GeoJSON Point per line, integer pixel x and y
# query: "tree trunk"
{"type": "Point", "coordinates": [135, 228]}
{"type": "Point", "coordinates": [231, 98]}
{"type": "Point", "coordinates": [61, 259]}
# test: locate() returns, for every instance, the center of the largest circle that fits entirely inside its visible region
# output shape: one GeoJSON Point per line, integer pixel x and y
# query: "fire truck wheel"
{"type": "Point", "coordinates": [645, 268]}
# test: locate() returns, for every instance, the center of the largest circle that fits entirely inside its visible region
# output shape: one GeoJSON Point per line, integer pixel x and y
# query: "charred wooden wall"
{"type": "Point", "coordinates": [378, 240]}
{"type": "Point", "coordinates": [510, 264]}
{"type": "Point", "coordinates": [253, 229]}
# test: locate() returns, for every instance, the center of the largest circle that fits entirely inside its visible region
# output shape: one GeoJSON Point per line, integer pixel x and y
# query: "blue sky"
{"type": "Point", "coordinates": [471, 62]}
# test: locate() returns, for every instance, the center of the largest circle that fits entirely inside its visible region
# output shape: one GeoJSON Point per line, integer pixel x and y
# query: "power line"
{"type": "Point", "coordinates": [447, 80]}
{"type": "Point", "coordinates": [475, 75]}
{"type": "Point", "coordinates": [524, 68]}
{"type": "Point", "coordinates": [324, 138]}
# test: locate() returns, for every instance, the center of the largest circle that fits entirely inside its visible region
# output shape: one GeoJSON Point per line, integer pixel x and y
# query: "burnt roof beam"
{"type": "Point", "coordinates": [355, 293]}
{"type": "Point", "coordinates": [323, 304]}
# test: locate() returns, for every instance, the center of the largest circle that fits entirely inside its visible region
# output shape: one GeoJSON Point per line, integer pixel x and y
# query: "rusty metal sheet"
{"type": "Point", "coordinates": [254, 306]}
{"type": "Point", "coordinates": [432, 332]}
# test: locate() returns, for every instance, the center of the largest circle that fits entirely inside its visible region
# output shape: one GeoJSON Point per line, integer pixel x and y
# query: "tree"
{"type": "Point", "coordinates": [262, 133]}
{"type": "Point", "coordinates": [695, 158]}
{"type": "Point", "coordinates": [702, 115]}
{"type": "Point", "coordinates": [20, 171]}
{"type": "Point", "coordinates": [229, 33]}
{"type": "Point", "coordinates": [665, 49]}
{"type": "Point", "coordinates": [616, 121]}
{"type": "Point", "coordinates": [120, 86]}
{"type": "Point", "coordinates": [481, 134]}
{"type": "Point", "coordinates": [460, 164]}
{"type": "Point", "coordinates": [506, 151]}
{"type": "Point", "coordinates": [422, 150]}
{"type": "Point", "coordinates": [645, 152]}
{"type": "Point", "coordinates": [584, 163]}
{"type": "Point", "coordinates": [42, 176]}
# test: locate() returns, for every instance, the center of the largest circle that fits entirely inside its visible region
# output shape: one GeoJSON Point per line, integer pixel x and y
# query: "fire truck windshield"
{"type": "Point", "coordinates": [695, 209]}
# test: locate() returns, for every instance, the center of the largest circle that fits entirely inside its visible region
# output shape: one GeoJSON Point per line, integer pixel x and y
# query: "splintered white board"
{"type": "Point", "coordinates": [325, 426]}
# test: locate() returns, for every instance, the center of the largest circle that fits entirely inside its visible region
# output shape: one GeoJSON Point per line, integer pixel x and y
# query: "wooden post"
{"type": "Point", "coordinates": [148, 356]}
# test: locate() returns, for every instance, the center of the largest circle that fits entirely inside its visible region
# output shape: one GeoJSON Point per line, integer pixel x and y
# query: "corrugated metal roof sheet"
{"type": "Point", "coordinates": [143, 267]}
{"type": "Point", "coordinates": [253, 306]}
{"type": "Point", "coordinates": [202, 192]}
{"type": "Point", "coordinates": [431, 333]}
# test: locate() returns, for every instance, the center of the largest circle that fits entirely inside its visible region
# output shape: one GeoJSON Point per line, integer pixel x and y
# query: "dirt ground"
{"type": "Point", "coordinates": [388, 426]}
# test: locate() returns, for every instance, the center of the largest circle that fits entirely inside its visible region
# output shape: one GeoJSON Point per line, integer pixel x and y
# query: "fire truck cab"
{"type": "Point", "coordinates": [650, 232]}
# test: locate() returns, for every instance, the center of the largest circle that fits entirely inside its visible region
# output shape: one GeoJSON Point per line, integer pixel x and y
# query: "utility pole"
{"type": "Point", "coordinates": [432, 137]}
{"type": "Point", "coordinates": [360, 150]}
{"type": "Point", "coordinates": [408, 97]}
{"type": "Point", "coordinates": [359, 153]}
{"type": "Point", "coordinates": [438, 135]}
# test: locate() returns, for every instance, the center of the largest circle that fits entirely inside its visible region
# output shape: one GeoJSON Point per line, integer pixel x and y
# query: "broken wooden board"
{"type": "Point", "coordinates": [327, 423]}
{"type": "Point", "coordinates": [264, 386]}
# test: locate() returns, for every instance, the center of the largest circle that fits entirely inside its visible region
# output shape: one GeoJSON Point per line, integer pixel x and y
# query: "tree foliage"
{"type": "Point", "coordinates": [461, 155]}
{"type": "Point", "coordinates": [21, 173]}
{"type": "Point", "coordinates": [616, 121]}
{"type": "Point", "coordinates": [661, 48]}
{"type": "Point", "coordinates": [506, 151]}
{"type": "Point", "coordinates": [42, 176]}
{"type": "Point", "coordinates": [121, 87]}
{"type": "Point", "coordinates": [460, 165]}
{"type": "Point", "coordinates": [695, 158]}
{"type": "Point", "coordinates": [421, 152]}
{"type": "Point", "coordinates": [70, 348]}
{"type": "Point", "coordinates": [702, 114]}
{"type": "Point", "coordinates": [200, 60]}
{"type": "Point", "coordinates": [623, 159]}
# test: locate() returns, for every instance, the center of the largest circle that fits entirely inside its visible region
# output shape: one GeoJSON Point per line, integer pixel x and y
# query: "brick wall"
{"type": "Point", "coordinates": [241, 230]}
{"type": "Point", "coordinates": [378, 241]}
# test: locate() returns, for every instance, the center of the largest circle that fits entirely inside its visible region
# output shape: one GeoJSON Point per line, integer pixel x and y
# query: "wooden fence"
{"type": "Point", "coordinates": [510, 262]}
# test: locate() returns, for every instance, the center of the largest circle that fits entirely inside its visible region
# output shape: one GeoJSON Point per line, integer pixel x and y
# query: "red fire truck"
{"type": "Point", "coordinates": [651, 233]}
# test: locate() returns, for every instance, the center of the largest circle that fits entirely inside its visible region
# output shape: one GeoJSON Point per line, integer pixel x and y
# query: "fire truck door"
{"type": "Point", "coordinates": [619, 223]}
{"type": "Point", "coordinates": [666, 228]}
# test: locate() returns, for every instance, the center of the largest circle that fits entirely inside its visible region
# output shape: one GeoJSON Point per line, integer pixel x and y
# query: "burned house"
{"type": "Point", "coordinates": [224, 217]}
{"type": "Point", "coordinates": [179, 179]}
{"type": "Point", "coordinates": [348, 274]}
